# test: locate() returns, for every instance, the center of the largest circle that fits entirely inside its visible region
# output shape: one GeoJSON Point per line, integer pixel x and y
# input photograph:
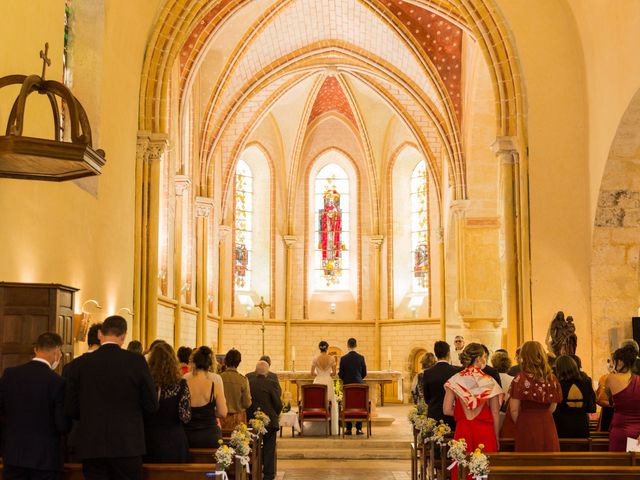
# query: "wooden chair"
{"type": "Point", "coordinates": [313, 406]}
{"type": "Point", "coordinates": [356, 406]}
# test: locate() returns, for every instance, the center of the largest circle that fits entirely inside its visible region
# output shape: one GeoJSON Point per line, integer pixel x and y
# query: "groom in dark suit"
{"type": "Point", "coordinates": [433, 380]}
{"type": "Point", "coordinates": [353, 369]}
{"type": "Point", "coordinates": [109, 392]}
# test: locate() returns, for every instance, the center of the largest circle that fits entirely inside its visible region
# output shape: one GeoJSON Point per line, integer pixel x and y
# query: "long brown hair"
{"type": "Point", "coordinates": [163, 364]}
{"type": "Point", "coordinates": [533, 360]}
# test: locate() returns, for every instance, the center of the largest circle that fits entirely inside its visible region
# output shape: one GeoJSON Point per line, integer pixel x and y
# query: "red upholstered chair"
{"type": "Point", "coordinates": [313, 406]}
{"type": "Point", "coordinates": [356, 406]}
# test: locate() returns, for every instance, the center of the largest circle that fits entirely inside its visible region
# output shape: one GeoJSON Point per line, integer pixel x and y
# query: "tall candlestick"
{"type": "Point", "coordinates": [389, 358]}
{"type": "Point", "coordinates": [293, 353]}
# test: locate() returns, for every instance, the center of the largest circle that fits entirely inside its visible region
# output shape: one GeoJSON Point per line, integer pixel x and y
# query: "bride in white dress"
{"type": "Point", "coordinates": [324, 367]}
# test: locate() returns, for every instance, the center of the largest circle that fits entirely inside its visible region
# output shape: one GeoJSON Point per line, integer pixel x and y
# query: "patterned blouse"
{"type": "Point", "coordinates": [184, 399]}
{"type": "Point", "coordinates": [526, 387]}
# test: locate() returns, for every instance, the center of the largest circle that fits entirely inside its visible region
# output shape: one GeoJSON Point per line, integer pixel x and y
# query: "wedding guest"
{"type": "Point", "coordinates": [501, 362]}
{"type": "Point", "coordinates": [135, 346]}
{"type": "Point", "coordinates": [474, 398]}
{"type": "Point", "coordinates": [578, 400]}
{"type": "Point", "coordinates": [164, 432]}
{"type": "Point", "coordinates": [417, 387]}
{"type": "Point", "coordinates": [515, 370]}
{"type": "Point", "coordinates": [488, 369]}
{"type": "Point", "coordinates": [270, 374]}
{"type": "Point", "coordinates": [207, 403]}
{"type": "Point", "coordinates": [624, 393]}
{"type": "Point", "coordinates": [184, 354]}
{"type": "Point", "coordinates": [602, 399]}
{"type": "Point", "coordinates": [458, 347]}
{"type": "Point", "coordinates": [636, 364]}
{"type": "Point", "coordinates": [433, 381]}
{"type": "Point", "coordinates": [535, 392]}
{"type": "Point", "coordinates": [236, 391]}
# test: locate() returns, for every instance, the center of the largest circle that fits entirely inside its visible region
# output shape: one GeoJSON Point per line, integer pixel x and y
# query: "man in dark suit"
{"type": "Point", "coordinates": [93, 343]}
{"type": "Point", "coordinates": [433, 380]}
{"type": "Point", "coordinates": [270, 374]}
{"type": "Point", "coordinates": [488, 369]}
{"type": "Point", "coordinates": [265, 395]}
{"type": "Point", "coordinates": [353, 369]}
{"type": "Point", "coordinates": [109, 392]}
{"type": "Point", "coordinates": [32, 403]}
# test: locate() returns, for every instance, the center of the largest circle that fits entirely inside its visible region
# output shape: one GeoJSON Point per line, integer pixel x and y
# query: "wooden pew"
{"type": "Point", "coordinates": [572, 472]}
{"type": "Point", "coordinates": [510, 459]}
{"type": "Point", "coordinates": [595, 444]}
{"type": "Point", "coordinates": [164, 471]}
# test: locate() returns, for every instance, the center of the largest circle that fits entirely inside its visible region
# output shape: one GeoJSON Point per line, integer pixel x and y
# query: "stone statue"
{"type": "Point", "coordinates": [561, 337]}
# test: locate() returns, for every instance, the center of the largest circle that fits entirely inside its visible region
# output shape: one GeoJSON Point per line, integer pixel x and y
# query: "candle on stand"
{"type": "Point", "coordinates": [389, 358]}
{"type": "Point", "coordinates": [293, 358]}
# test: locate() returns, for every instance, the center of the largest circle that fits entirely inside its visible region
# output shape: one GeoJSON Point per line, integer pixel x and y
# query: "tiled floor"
{"type": "Point", "coordinates": [334, 469]}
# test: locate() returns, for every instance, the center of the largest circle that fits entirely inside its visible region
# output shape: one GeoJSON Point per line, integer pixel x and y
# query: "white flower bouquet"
{"type": "Point", "coordinates": [259, 422]}
{"type": "Point", "coordinates": [478, 464]}
{"type": "Point", "coordinates": [458, 452]}
{"type": "Point", "coordinates": [224, 456]}
{"type": "Point", "coordinates": [439, 432]}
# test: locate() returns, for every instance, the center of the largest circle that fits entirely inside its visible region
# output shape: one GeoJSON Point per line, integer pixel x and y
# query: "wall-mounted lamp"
{"type": "Point", "coordinates": [95, 302]}
{"type": "Point", "coordinates": [332, 308]}
{"type": "Point", "coordinates": [126, 310]}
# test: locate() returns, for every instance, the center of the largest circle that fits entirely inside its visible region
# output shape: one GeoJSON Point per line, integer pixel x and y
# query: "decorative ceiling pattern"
{"type": "Point", "coordinates": [440, 39]}
{"type": "Point", "coordinates": [289, 31]}
{"type": "Point", "coordinates": [330, 98]}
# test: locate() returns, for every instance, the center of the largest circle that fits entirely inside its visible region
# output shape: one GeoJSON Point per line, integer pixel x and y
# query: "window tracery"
{"type": "Point", "coordinates": [243, 226]}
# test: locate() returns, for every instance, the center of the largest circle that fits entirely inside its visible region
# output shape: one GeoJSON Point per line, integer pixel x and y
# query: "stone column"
{"type": "Point", "coordinates": [443, 297]}
{"type": "Point", "coordinates": [151, 147]}
{"type": "Point", "coordinates": [204, 207]}
{"type": "Point", "coordinates": [139, 267]}
{"type": "Point", "coordinates": [224, 232]}
{"type": "Point", "coordinates": [459, 212]}
{"type": "Point", "coordinates": [182, 184]}
{"type": "Point", "coordinates": [507, 154]}
{"type": "Point", "coordinates": [376, 242]}
{"type": "Point", "coordinates": [289, 241]}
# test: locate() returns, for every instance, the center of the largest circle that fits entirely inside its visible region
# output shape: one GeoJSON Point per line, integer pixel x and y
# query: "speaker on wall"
{"type": "Point", "coordinates": [635, 323]}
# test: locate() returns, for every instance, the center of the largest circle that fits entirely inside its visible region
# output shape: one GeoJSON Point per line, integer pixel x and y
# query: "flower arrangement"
{"type": "Point", "coordinates": [259, 422]}
{"type": "Point", "coordinates": [337, 388]}
{"type": "Point", "coordinates": [286, 407]}
{"type": "Point", "coordinates": [439, 432]}
{"type": "Point", "coordinates": [458, 452]}
{"type": "Point", "coordinates": [420, 421]}
{"type": "Point", "coordinates": [478, 464]}
{"type": "Point", "coordinates": [224, 457]}
{"type": "Point", "coordinates": [241, 440]}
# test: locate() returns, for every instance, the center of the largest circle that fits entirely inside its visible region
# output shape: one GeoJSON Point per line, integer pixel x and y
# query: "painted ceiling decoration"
{"type": "Point", "coordinates": [331, 98]}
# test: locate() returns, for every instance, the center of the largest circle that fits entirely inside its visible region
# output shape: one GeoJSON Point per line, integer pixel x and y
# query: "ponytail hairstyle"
{"type": "Point", "coordinates": [470, 353]}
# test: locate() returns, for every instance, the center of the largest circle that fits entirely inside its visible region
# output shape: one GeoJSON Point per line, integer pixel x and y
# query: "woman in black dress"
{"type": "Point", "coordinates": [578, 400]}
{"type": "Point", "coordinates": [164, 432]}
{"type": "Point", "coordinates": [207, 403]}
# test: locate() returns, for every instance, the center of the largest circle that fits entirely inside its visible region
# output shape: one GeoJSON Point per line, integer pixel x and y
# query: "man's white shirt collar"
{"type": "Point", "coordinates": [36, 359]}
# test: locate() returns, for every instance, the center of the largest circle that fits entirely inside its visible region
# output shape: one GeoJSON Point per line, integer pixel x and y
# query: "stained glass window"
{"type": "Point", "coordinates": [420, 228]}
{"type": "Point", "coordinates": [331, 220]}
{"type": "Point", "coordinates": [243, 226]}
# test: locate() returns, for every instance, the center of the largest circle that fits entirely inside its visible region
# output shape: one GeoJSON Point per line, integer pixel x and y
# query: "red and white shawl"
{"type": "Point", "coordinates": [473, 387]}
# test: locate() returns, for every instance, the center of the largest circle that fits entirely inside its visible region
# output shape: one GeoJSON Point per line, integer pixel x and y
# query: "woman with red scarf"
{"type": "Point", "coordinates": [474, 399]}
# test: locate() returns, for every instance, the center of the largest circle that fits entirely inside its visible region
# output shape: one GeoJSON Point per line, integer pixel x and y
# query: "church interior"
{"type": "Point", "coordinates": [281, 172]}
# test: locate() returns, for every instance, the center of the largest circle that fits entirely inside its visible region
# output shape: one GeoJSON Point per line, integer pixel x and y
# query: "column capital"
{"type": "Point", "coordinates": [460, 205]}
{"type": "Point", "coordinates": [376, 240]}
{"type": "Point", "coordinates": [506, 149]}
{"type": "Point", "coordinates": [224, 231]}
{"type": "Point", "coordinates": [158, 144]}
{"type": "Point", "coordinates": [289, 240]}
{"type": "Point", "coordinates": [204, 206]}
{"type": "Point", "coordinates": [182, 184]}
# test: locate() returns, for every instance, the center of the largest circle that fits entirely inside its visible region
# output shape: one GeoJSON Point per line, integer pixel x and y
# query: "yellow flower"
{"type": "Point", "coordinates": [461, 440]}
{"type": "Point", "coordinates": [220, 442]}
{"type": "Point", "coordinates": [481, 446]}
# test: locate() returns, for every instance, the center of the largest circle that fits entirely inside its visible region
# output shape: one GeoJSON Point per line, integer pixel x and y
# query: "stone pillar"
{"type": "Point", "coordinates": [204, 207]}
{"type": "Point", "coordinates": [459, 211]}
{"type": "Point", "coordinates": [507, 154]}
{"type": "Point", "coordinates": [289, 241]}
{"type": "Point", "coordinates": [139, 267]}
{"type": "Point", "coordinates": [182, 184]}
{"type": "Point", "coordinates": [443, 297]}
{"type": "Point", "coordinates": [151, 147]}
{"type": "Point", "coordinates": [376, 242]}
{"type": "Point", "coordinates": [224, 232]}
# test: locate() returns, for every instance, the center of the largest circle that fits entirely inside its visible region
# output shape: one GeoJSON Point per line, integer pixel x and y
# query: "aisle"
{"type": "Point", "coordinates": [384, 456]}
{"type": "Point", "coordinates": [343, 470]}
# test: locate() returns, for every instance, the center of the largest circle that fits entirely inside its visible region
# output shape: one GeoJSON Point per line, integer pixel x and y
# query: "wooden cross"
{"type": "Point", "coordinates": [46, 61]}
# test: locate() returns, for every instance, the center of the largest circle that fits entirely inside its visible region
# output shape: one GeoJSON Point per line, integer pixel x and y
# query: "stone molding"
{"type": "Point", "coordinates": [376, 240]}
{"type": "Point", "coordinates": [204, 206]}
{"type": "Point", "coordinates": [182, 184]}
{"type": "Point", "coordinates": [289, 240]}
{"type": "Point", "coordinates": [505, 148]}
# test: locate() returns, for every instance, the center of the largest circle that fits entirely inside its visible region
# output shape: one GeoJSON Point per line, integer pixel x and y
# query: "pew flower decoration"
{"type": "Point", "coordinates": [439, 432]}
{"type": "Point", "coordinates": [241, 441]}
{"type": "Point", "coordinates": [259, 422]}
{"type": "Point", "coordinates": [337, 388]}
{"type": "Point", "coordinates": [458, 453]}
{"type": "Point", "coordinates": [478, 464]}
{"type": "Point", "coordinates": [420, 421]}
{"type": "Point", "coordinates": [224, 458]}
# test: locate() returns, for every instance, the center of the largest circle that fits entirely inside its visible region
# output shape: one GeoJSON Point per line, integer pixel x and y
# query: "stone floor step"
{"type": "Point", "coordinates": [330, 443]}
{"type": "Point", "coordinates": [344, 453]}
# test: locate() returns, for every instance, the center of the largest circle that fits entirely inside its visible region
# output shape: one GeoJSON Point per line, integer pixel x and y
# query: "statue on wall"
{"type": "Point", "coordinates": [561, 337]}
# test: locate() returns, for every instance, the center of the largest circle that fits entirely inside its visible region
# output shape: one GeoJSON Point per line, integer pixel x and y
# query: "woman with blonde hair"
{"type": "Point", "coordinates": [535, 393]}
{"type": "Point", "coordinates": [474, 399]}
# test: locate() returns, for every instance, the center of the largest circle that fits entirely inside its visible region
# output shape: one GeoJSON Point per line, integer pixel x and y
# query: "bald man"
{"type": "Point", "coordinates": [265, 395]}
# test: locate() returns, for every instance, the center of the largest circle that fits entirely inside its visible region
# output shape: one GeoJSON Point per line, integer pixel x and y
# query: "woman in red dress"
{"type": "Point", "coordinates": [474, 399]}
{"type": "Point", "coordinates": [535, 392]}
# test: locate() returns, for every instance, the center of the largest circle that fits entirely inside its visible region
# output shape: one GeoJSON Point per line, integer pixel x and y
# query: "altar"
{"type": "Point", "coordinates": [374, 380]}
